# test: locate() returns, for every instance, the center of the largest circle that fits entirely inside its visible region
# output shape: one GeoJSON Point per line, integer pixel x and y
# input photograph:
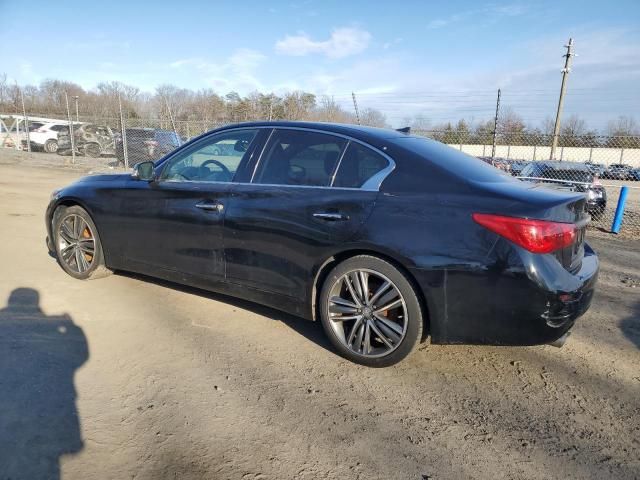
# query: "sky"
{"type": "Point", "coordinates": [440, 60]}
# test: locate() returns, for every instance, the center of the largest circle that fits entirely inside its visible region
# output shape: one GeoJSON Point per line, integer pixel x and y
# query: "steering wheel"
{"type": "Point", "coordinates": [222, 166]}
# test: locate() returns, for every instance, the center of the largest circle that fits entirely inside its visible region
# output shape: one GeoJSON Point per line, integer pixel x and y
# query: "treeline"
{"type": "Point", "coordinates": [183, 104]}
{"type": "Point", "coordinates": [206, 108]}
{"type": "Point", "coordinates": [622, 132]}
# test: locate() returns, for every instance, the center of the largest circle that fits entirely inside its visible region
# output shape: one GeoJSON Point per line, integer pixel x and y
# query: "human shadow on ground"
{"type": "Point", "coordinates": [630, 325]}
{"type": "Point", "coordinates": [39, 355]}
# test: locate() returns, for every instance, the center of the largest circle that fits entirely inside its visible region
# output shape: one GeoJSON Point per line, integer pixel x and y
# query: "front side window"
{"type": "Point", "coordinates": [215, 160]}
{"type": "Point", "coordinates": [358, 165]}
{"type": "Point", "coordinates": [295, 157]}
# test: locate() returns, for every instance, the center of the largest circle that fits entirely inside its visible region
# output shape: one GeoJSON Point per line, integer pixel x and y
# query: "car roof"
{"type": "Point", "coordinates": [356, 131]}
{"type": "Point", "coordinates": [147, 129]}
{"type": "Point", "coordinates": [564, 165]}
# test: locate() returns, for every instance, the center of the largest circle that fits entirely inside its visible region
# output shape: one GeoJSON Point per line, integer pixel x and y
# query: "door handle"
{"type": "Point", "coordinates": [210, 206]}
{"type": "Point", "coordinates": [331, 216]}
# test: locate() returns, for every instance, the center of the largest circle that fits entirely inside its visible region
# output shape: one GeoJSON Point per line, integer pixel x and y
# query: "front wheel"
{"type": "Point", "coordinates": [51, 146]}
{"type": "Point", "coordinates": [370, 311]}
{"type": "Point", "coordinates": [77, 244]}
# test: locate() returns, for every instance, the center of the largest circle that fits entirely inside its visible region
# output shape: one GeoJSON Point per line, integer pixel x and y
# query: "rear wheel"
{"type": "Point", "coordinates": [370, 311]}
{"type": "Point", "coordinates": [77, 244]}
{"type": "Point", "coordinates": [51, 146]}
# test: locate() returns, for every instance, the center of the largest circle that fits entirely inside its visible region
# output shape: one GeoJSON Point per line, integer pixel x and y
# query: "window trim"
{"type": "Point", "coordinates": [371, 185]}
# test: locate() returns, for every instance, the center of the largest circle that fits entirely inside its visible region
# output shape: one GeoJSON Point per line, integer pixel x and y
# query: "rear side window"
{"type": "Point", "coordinates": [59, 128]}
{"type": "Point", "coordinates": [358, 165]}
{"type": "Point", "coordinates": [295, 157]}
{"type": "Point", "coordinates": [452, 160]}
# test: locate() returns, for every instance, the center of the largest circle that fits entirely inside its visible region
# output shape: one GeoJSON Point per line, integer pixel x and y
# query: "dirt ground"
{"type": "Point", "coordinates": [126, 377]}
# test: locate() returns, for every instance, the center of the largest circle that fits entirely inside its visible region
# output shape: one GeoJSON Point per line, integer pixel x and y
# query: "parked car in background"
{"type": "Point", "coordinates": [571, 177]}
{"type": "Point", "coordinates": [635, 175]}
{"type": "Point", "coordinates": [45, 137]}
{"type": "Point", "coordinates": [500, 163]}
{"type": "Point", "coordinates": [383, 237]}
{"type": "Point", "coordinates": [90, 139]}
{"type": "Point", "coordinates": [517, 166]}
{"type": "Point", "coordinates": [14, 134]}
{"type": "Point", "coordinates": [145, 144]}
{"type": "Point", "coordinates": [618, 171]}
{"type": "Point", "coordinates": [596, 168]}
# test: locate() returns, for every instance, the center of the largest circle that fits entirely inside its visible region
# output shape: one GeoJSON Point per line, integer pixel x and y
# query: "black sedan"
{"type": "Point", "coordinates": [384, 237]}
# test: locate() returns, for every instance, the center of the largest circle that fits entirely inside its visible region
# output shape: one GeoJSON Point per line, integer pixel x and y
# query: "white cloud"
{"type": "Point", "coordinates": [237, 72]}
{"type": "Point", "coordinates": [387, 45]}
{"type": "Point", "coordinates": [245, 58]}
{"type": "Point", "coordinates": [343, 42]}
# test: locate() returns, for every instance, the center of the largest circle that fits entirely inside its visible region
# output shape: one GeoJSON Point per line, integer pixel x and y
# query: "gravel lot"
{"type": "Point", "coordinates": [127, 377]}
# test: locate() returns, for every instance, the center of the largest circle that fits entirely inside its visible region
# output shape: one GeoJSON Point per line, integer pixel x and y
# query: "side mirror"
{"type": "Point", "coordinates": [143, 171]}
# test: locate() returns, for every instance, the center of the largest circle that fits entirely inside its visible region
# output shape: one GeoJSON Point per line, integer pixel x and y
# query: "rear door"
{"type": "Point", "coordinates": [308, 192]}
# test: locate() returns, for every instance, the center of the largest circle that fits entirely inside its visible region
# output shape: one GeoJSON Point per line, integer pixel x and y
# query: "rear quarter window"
{"type": "Point", "coordinates": [462, 165]}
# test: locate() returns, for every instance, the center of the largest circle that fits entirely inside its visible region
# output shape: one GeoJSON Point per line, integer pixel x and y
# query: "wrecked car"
{"type": "Point", "coordinates": [90, 139]}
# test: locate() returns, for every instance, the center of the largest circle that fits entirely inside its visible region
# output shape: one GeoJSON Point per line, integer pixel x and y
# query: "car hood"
{"type": "Point", "coordinates": [104, 177]}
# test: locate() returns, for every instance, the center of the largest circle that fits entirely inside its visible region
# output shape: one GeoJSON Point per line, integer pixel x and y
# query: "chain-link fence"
{"type": "Point", "coordinates": [598, 166]}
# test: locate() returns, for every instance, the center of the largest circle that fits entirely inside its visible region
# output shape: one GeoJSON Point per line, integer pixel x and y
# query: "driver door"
{"type": "Point", "coordinates": [175, 223]}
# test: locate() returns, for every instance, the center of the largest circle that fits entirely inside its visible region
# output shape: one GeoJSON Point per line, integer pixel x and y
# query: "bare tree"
{"type": "Point", "coordinates": [573, 126]}
{"type": "Point", "coordinates": [622, 126]}
{"type": "Point", "coordinates": [373, 118]}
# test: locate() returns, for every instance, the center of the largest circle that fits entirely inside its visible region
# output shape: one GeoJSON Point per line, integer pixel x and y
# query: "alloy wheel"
{"type": "Point", "coordinates": [76, 243]}
{"type": "Point", "coordinates": [367, 313]}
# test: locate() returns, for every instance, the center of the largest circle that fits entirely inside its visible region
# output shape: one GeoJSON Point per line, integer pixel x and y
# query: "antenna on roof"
{"type": "Point", "coordinates": [406, 130]}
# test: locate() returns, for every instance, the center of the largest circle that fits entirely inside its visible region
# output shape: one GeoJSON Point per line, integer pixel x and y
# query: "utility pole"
{"type": "Point", "coordinates": [173, 124]}
{"type": "Point", "coordinates": [563, 86]}
{"type": "Point", "coordinates": [495, 127]}
{"type": "Point", "coordinates": [123, 133]}
{"type": "Point", "coordinates": [26, 121]}
{"type": "Point", "coordinates": [75, 97]}
{"type": "Point", "coordinates": [355, 106]}
{"type": "Point", "coordinates": [73, 142]}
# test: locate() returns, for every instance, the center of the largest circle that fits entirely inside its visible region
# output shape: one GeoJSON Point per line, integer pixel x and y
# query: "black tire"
{"type": "Point", "coordinates": [97, 268]}
{"type": "Point", "coordinates": [92, 150]}
{"type": "Point", "coordinates": [415, 317]}
{"type": "Point", "coordinates": [51, 146]}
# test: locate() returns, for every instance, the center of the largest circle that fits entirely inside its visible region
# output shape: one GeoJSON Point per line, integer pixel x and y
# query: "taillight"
{"type": "Point", "coordinates": [537, 236]}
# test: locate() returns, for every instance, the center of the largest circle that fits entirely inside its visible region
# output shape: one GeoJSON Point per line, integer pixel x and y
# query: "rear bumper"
{"type": "Point", "coordinates": [484, 305]}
